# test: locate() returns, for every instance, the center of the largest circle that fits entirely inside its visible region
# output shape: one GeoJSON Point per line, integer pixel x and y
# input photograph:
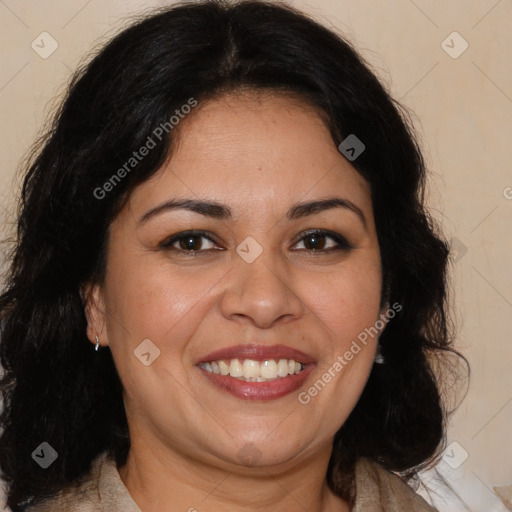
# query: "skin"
{"type": "Point", "coordinates": [258, 154]}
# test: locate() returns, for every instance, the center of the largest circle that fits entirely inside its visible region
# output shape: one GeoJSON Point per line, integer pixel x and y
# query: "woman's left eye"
{"type": "Point", "coordinates": [315, 241]}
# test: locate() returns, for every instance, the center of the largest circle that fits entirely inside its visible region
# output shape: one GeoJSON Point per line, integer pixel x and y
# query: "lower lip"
{"type": "Point", "coordinates": [269, 390]}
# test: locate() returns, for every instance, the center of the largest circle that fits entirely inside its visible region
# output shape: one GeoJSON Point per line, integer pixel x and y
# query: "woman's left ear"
{"type": "Point", "coordinates": [94, 309]}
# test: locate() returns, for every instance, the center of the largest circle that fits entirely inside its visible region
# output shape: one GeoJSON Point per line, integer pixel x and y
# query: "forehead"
{"type": "Point", "coordinates": [249, 148]}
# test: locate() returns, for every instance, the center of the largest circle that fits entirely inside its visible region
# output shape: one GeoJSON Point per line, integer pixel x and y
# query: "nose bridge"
{"type": "Point", "coordinates": [258, 288]}
{"type": "Point", "coordinates": [263, 274]}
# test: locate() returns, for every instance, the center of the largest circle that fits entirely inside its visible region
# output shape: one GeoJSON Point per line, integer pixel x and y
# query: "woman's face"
{"type": "Point", "coordinates": [257, 286]}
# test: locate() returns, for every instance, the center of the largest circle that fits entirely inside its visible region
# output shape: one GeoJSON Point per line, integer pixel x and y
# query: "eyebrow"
{"type": "Point", "coordinates": [220, 211]}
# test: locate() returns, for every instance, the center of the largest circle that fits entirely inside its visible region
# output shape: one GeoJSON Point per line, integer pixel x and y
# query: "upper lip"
{"type": "Point", "coordinates": [258, 353]}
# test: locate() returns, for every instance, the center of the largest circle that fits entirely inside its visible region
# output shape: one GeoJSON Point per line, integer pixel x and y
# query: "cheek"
{"type": "Point", "coordinates": [150, 300]}
{"type": "Point", "coordinates": [346, 301]}
{"type": "Point", "coordinates": [155, 302]}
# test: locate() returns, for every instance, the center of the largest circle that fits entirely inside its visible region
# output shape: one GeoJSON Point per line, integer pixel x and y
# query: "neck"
{"type": "Point", "coordinates": [166, 481]}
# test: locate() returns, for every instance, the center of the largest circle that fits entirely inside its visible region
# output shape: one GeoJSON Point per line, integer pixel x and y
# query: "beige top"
{"type": "Point", "coordinates": [102, 489]}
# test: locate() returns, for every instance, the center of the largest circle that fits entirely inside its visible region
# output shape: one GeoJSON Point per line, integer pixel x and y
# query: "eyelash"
{"type": "Point", "coordinates": [343, 244]}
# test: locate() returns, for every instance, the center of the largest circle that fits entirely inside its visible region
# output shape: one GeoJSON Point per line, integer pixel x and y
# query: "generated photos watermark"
{"type": "Point", "coordinates": [343, 359]}
{"type": "Point", "coordinates": [144, 150]}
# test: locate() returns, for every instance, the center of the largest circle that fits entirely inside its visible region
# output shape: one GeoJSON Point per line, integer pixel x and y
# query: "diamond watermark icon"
{"type": "Point", "coordinates": [249, 454]}
{"type": "Point", "coordinates": [44, 45]}
{"type": "Point", "coordinates": [147, 352]}
{"type": "Point", "coordinates": [454, 45]}
{"type": "Point", "coordinates": [455, 455]}
{"type": "Point", "coordinates": [249, 249]}
{"type": "Point", "coordinates": [45, 455]}
{"type": "Point", "coordinates": [351, 147]}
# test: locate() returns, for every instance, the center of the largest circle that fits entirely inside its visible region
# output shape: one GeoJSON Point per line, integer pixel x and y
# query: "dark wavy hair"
{"type": "Point", "coordinates": [56, 388]}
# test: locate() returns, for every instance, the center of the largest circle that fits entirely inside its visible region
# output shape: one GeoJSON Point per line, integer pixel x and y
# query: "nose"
{"type": "Point", "coordinates": [259, 293]}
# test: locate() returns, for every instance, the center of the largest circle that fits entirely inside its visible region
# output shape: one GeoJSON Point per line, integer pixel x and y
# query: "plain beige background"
{"type": "Point", "coordinates": [463, 112]}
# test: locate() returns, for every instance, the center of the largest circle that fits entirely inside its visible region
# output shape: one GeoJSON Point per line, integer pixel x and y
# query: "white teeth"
{"type": "Point", "coordinates": [224, 368]}
{"type": "Point", "coordinates": [282, 368]}
{"type": "Point", "coordinates": [235, 368]}
{"type": "Point", "coordinates": [269, 369]}
{"type": "Point", "coordinates": [251, 368]}
{"type": "Point", "coordinates": [254, 371]}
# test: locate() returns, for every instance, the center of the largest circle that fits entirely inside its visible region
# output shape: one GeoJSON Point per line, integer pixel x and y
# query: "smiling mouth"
{"type": "Point", "coordinates": [250, 370]}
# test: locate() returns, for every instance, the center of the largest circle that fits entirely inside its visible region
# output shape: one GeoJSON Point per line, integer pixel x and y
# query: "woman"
{"type": "Point", "coordinates": [227, 292]}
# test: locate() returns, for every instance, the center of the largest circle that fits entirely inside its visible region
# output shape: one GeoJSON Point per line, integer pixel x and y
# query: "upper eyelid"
{"type": "Point", "coordinates": [324, 232]}
{"type": "Point", "coordinates": [171, 240]}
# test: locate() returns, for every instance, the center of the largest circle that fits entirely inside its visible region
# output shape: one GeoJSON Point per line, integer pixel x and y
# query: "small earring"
{"type": "Point", "coordinates": [379, 358]}
{"type": "Point", "coordinates": [97, 344]}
